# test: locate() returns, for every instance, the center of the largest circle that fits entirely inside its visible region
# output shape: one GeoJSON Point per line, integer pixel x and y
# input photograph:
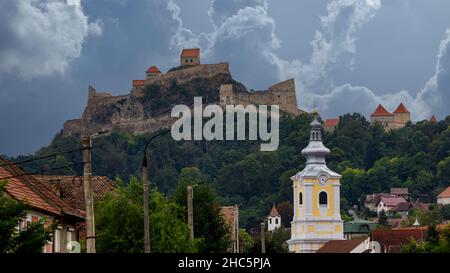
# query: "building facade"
{"type": "Point", "coordinates": [317, 218]}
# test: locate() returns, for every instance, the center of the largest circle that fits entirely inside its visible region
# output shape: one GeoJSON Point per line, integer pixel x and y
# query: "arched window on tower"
{"type": "Point", "coordinates": [323, 199]}
{"type": "Point", "coordinates": [300, 199]}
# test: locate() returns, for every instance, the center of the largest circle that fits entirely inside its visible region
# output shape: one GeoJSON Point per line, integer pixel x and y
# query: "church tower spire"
{"type": "Point", "coordinates": [316, 188]}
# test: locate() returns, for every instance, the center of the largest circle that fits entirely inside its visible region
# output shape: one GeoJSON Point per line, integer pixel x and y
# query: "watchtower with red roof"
{"type": "Point", "coordinates": [401, 116]}
{"type": "Point", "coordinates": [382, 116]}
{"type": "Point", "coordinates": [190, 57]}
{"type": "Point", "coordinates": [152, 72]}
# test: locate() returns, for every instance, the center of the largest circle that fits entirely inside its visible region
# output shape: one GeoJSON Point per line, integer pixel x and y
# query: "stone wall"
{"type": "Point", "coordinates": [282, 94]}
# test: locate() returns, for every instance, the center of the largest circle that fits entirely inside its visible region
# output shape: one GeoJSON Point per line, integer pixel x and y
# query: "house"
{"type": "Point", "coordinates": [330, 125]}
{"type": "Point", "coordinates": [230, 215]}
{"type": "Point", "coordinates": [357, 245]}
{"type": "Point", "coordinates": [372, 201]}
{"type": "Point", "coordinates": [444, 197]}
{"type": "Point", "coordinates": [190, 57]}
{"type": "Point", "coordinates": [358, 228]}
{"type": "Point", "coordinates": [403, 192]}
{"type": "Point", "coordinates": [401, 208]}
{"type": "Point", "coordinates": [386, 203]}
{"type": "Point", "coordinates": [70, 189]}
{"type": "Point", "coordinates": [42, 203]}
{"type": "Point", "coordinates": [274, 219]}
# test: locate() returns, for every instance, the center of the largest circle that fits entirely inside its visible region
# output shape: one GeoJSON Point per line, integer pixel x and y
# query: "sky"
{"type": "Point", "coordinates": [345, 55]}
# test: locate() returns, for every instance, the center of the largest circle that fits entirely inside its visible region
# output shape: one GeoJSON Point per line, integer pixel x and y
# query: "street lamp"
{"type": "Point", "coordinates": [145, 187]}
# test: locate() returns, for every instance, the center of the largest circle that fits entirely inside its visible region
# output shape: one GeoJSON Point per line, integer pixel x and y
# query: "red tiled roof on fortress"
{"type": "Point", "coordinates": [331, 122]}
{"type": "Point", "coordinates": [401, 109]}
{"type": "Point", "coordinates": [433, 119]}
{"type": "Point", "coordinates": [190, 53]}
{"type": "Point", "coordinates": [138, 82]}
{"type": "Point", "coordinates": [381, 111]}
{"type": "Point", "coordinates": [153, 69]}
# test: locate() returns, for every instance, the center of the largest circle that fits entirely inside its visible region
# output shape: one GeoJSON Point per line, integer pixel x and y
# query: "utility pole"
{"type": "Point", "coordinates": [236, 228]}
{"type": "Point", "coordinates": [146, 209]}
{"type": "Point", "coordinates": [190, 196]}
{"type": "Point", "coordinates": [88, 196]}
{"type": "Point", "coordinates": [263, 239]}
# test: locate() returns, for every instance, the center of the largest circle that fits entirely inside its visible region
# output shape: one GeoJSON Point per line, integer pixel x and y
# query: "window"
{"type": "Point", "coordinates": [323, 199]}
{"type": "Point", "coordinates": [300, 198]}
{"type": "Point", "coordinates": [276, 221]}
{"type": "Point", "coordinates": [270, 221]}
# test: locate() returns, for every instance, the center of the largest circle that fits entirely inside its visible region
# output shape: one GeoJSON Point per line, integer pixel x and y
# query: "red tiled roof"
{"type": "Point", "coordinates": [433, 119]}
{"type": "Point", "coordinates": [153, 69]}
{"type": "Point", "coordinates": [445, 193]}
{"type": "Point", "coordinates": [391, 240]}
{"type": "Point", "coordinates": [36, 194]}
{"type": "Point", "coordinates": [341, 246]}
{"type": "Point", "coordinates": [381, 111]}
{"type": "Point", "coordinates": [274, 212]}
{"type": "Point", "coordinates": [405, 206]}
{"type": "Point", "coordinates": [392, 200]}
{"type": "Point", "coordinates": [138, 82]}
{"type": "Point", "coordinates": [331, 122]}
{"type": "Point", "coordinates": [399, 191]}
{"type": "Point", "coordinates": [70, 188]}
{"type": "Point", "coordinates": [401, 109]}
{"type": "Point", "coordinates": [190, 53]}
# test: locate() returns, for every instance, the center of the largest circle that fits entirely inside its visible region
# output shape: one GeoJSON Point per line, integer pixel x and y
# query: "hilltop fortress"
{"type": "Point", "coordinates": [146, 109]}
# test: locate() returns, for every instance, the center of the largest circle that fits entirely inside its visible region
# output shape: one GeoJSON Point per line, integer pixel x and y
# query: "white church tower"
{"type": "Point", "coordinates": [317, 217]}
{"type": "Point", "coordinates": [274, 219]}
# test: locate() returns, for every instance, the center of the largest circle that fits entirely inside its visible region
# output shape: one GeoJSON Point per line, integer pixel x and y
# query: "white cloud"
{"type": "Point", "coordinates": [41, 37]}
{"type": "Point", "coordinates": [182, 37]}
{"type": "Point", "coordinates": [244, 35]}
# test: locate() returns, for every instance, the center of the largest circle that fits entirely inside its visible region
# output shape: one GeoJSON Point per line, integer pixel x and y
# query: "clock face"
{"type": "Point", "coordinates": [323, 179]}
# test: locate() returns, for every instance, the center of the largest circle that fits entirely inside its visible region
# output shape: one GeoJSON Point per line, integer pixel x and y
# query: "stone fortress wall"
{"type": "Point", "coordinates": [282, 94]}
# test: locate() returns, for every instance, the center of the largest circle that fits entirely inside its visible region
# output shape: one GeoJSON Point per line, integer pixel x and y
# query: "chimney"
{"type": "Point", "coordinates": [55, 184]}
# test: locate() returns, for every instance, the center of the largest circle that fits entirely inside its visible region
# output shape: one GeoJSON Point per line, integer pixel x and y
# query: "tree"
{"type": "Point", "coordinates": [286, 211]}
{"type": "Point", "coordinates": [382, 219]}
{"type": "Point", "coordinates": [246, 240]}
{"type": "Point", "coordinates": [436, 242]}
{"type": "Point", "coordinates": [275, 241]}
{"type": "Point", "coordinates": [209, 226]}
{"type": "Point", "coordinates": [120, 222]}
{"type": "Point", "coordinates": [32, 239]}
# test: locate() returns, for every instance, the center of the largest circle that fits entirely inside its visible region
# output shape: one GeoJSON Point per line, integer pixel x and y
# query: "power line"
{"type": "Point", "coordinates": [42, 171]}
{"type": "Point", "coordinates": [40, 158]}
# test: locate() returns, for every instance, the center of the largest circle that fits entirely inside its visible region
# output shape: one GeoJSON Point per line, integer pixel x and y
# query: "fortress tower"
{"type": "Point", "coordinates": [317, 217]}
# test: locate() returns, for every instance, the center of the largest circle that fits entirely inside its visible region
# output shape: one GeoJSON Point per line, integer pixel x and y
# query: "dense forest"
{"type": "Point", "coordinates": [369, 158]}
